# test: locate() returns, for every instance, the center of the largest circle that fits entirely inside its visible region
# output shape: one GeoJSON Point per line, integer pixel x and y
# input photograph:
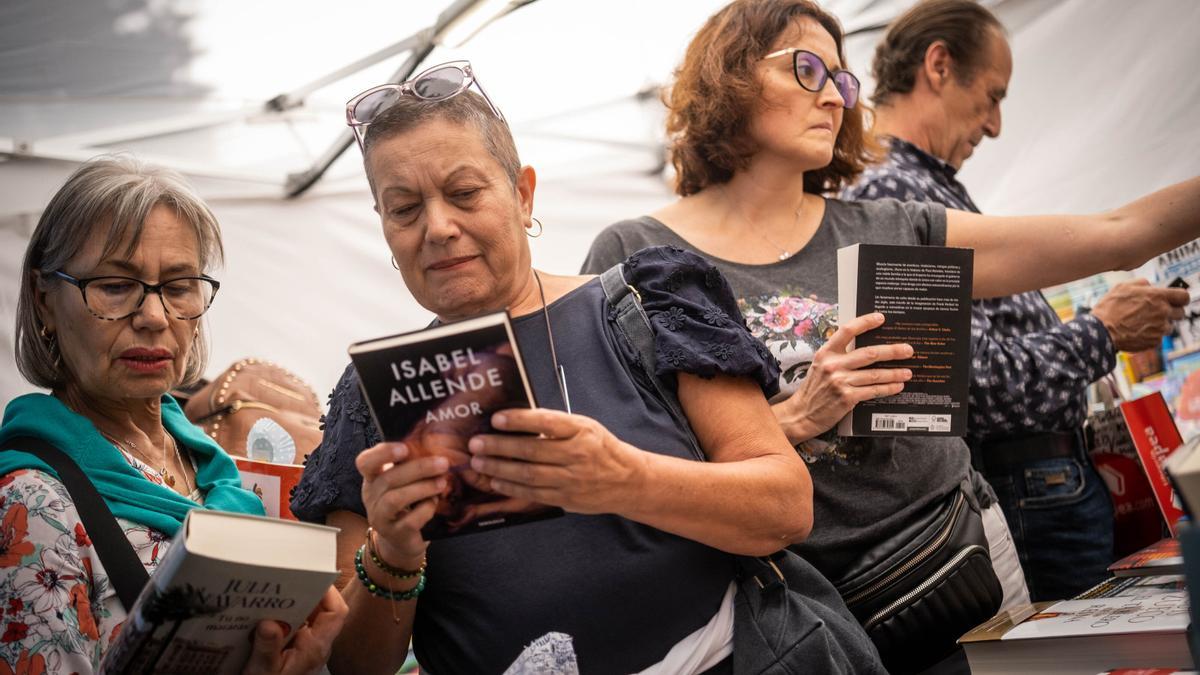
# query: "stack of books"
{"type": "Point", "coordinates": [1124, 622]}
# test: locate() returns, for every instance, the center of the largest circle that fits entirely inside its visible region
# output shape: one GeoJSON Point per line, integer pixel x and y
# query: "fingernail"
{"type": "Point", "coordinates": [475, 444]}
{"type": "Point", "coordinates": [477, 463]}
{"type": "Point", "coordinates": [441, 484]}
{"type": "Point", "coordinates": [877, 316]}
{"type": "Point", "coordinates": [908, 374]}
{"type": "Point", "coordinates": [499, 420]}
{"type": "Point", "coordinates": [399, 451]}
{"type": "Point", "coordinates": [441, 463]}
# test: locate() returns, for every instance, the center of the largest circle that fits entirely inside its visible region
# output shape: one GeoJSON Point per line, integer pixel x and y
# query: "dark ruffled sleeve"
{"type": "Point", "coordinates": [331, 482]}
{"type": "Point", "coordinates": [698, 327]}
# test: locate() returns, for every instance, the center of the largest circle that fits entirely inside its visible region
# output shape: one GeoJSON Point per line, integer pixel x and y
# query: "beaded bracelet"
{"type": "Point", "coordinates": [378, 590]}
{"type": "Point", "coordinates": [389, 569]}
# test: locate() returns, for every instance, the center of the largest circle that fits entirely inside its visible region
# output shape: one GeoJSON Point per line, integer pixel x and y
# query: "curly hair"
{"type": "Point", "coordinates": [716, 90]}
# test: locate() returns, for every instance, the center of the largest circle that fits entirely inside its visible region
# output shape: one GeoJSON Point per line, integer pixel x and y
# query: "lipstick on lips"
{"type": "Point", "coordinates": [146, 359]}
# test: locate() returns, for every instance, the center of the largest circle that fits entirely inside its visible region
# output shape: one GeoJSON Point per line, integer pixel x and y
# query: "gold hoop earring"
{"type": "Point", "coordinates": [540, 229]}
{"type": "Point", "coordinates": [394, 265]}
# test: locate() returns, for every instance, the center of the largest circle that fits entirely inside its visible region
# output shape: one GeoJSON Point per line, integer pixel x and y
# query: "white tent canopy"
{"type": "Point", "coordinates": [1099, 111]}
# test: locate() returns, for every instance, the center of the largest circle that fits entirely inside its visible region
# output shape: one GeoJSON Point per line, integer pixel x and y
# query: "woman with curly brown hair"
{"type": "Point", "coordinates": [764, 119]}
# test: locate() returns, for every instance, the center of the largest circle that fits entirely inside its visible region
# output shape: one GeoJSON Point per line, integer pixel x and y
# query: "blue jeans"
{"type": "Point", "coordinates": [1061, 517]}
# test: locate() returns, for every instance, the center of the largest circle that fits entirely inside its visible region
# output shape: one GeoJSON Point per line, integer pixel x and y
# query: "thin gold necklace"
{"type": "Point", "coordinates": [784, 252]}
{"type": "Point", "coordinates": [131, 448]}
{"type": "Point", "coordinates": [167, 477]}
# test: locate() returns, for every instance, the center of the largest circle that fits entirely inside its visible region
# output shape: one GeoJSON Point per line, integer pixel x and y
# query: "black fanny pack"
{"type": "Point", "coordinates": [917, 597]}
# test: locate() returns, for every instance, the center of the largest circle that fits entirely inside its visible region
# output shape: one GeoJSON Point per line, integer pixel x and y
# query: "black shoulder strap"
{"type": "Point", "coordinates": [635, 326]}
{"type": "Point", "coordinates": [125, 570]}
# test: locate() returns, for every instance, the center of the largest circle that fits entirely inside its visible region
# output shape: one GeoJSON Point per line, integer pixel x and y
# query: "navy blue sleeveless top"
{"type": "Point", "coordinates": [625, 592]}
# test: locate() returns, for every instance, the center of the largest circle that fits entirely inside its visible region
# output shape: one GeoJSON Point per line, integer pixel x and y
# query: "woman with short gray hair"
{"type": "Point", "coordinates": [116, 232]}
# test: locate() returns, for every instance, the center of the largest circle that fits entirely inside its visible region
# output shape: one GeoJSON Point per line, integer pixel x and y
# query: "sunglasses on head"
{"type": "Point", "coordinates": [441, 82]}
{"type": "Point", "coordinates": [812, 74]}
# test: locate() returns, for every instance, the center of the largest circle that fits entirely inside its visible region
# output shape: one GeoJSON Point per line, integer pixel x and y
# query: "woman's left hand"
{"type": "Point", "coordinates": [310, 650]}
{"type": "Point", "coordinates": [573, 462]}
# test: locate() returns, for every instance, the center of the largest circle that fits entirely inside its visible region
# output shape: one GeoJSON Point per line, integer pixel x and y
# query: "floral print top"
{"type": "Point", "coordinates": [60, 613]}
{"type": "Point", "coordinates": [865, 489]}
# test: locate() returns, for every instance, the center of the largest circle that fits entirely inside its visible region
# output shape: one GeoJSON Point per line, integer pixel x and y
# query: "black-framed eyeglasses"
{"type": "Point", "coordinates": [438, 83]}
{"type": "Point", "coordinates": [812, 74]}
{"type": "Point", "coordinates": [113, 297]}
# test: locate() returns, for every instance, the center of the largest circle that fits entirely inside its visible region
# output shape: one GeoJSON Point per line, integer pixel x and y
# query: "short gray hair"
{"type": "Point", "coordinates": [467, 109]}
{"type": "Point", "coordinates": [119, 192]}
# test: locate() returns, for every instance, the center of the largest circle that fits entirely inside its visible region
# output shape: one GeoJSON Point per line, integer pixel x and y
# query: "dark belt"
{"type": "Point", "coordinates": [1004, 454]}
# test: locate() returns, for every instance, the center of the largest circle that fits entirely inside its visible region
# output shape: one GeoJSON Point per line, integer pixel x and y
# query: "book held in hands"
{"type": "Point", "coordinates": [433, 390]}
{"type": "Point", "coordinates": [223, 574]}
{"type": "Point", "coordinates": [924, 293]}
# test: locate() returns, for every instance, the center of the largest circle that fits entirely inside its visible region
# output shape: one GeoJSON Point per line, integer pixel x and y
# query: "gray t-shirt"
{"type": "Point", "coordinates": [866, 490]}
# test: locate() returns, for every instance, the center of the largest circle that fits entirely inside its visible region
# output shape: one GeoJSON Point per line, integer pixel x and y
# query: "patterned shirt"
{"type": "Point", "coordinates": [1029, 371]}
{"type": "Point", "coordinates": [60, 613]}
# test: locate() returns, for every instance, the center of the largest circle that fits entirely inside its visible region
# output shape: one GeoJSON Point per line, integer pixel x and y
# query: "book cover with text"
{"type": "Point", "coordinates": [221, 576]}
{"type": "Point", "coordinates": [924, 293]}
{"type": "Point", "coordinates": [433, 390]}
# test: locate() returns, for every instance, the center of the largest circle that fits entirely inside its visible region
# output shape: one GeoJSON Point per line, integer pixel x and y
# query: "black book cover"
{"type": "Point", "coordinates": [433, 390]}
{"type": "Point", "coordinates": [924, 293]}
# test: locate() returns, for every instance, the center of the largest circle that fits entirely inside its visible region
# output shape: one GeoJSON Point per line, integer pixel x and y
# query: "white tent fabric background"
{"type": "Point", "coordinates": [1101, 109]}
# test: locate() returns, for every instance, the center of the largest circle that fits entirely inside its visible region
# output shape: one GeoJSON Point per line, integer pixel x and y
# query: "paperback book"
{"type": "Point", "coordinates": [1120, 623]}
{"type": "Point", "coordinates": [924, 293]}
{"type": "Point", "coordinates": [1161, 557]}
{"type": "Point", "coordinates": [272, 482]}
{"type": "Point", "coordinates": [1156, 438]}
{"type": "Point", "coordinates": [223, 574]}
{"type": "Point", "coordinates": [433, 390]}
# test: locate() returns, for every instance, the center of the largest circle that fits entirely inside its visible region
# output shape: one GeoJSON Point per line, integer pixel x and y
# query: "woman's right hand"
{"type": "Point", "coordinates": [400, 495]}
{"type": "Point", "coordinates": [838, 379]}
{"type": "Point", "coordinates": [309, 648]}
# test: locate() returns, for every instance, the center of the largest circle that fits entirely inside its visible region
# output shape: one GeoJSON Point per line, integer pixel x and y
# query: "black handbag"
{"type": "Point", "coordinates": [788, 618]}
{"type": "Point", "coordinates": [935, 583]}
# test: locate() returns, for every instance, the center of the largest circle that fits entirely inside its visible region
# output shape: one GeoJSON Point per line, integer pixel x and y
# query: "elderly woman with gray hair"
{"type": "Point", "coordinates": [115, 233]}
{"type": "Point", "coordinates": [639, 571]}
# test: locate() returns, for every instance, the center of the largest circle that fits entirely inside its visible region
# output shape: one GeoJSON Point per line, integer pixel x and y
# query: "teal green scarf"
{"type": "Point", "coordinates": [128, 493]}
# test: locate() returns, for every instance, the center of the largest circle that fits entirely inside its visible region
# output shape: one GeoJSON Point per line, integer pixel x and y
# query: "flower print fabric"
{"type": "Point", "coordinates": [58, 611]}
{"type": "Point", "coordinates": [699, 328]}
{"type": "Point", "coordinates": [864, 489]}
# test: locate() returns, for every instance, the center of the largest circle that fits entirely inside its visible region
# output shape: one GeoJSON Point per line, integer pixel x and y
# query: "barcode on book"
{"type": "Point", "coordinates": [899, 422]}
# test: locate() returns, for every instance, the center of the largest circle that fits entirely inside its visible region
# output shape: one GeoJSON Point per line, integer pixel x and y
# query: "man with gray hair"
{"type": "Point", "coordinates": [942, 70]}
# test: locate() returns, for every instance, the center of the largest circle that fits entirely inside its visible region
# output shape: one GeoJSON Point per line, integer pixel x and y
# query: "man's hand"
{"type": "Point", "coordinates": [1137, 314]}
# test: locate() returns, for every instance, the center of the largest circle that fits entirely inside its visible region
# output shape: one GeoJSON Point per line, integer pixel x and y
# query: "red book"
{"type": "Point", "coordinates": [1155, 437]}
{"type": "Point", "coordinates": [273, 483]}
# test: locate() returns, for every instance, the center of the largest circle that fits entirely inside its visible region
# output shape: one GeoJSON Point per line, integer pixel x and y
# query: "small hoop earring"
{"type": "Point", "coordinates": [540, 229]}
{"type": "Point", "coordinates": [394, 265]}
